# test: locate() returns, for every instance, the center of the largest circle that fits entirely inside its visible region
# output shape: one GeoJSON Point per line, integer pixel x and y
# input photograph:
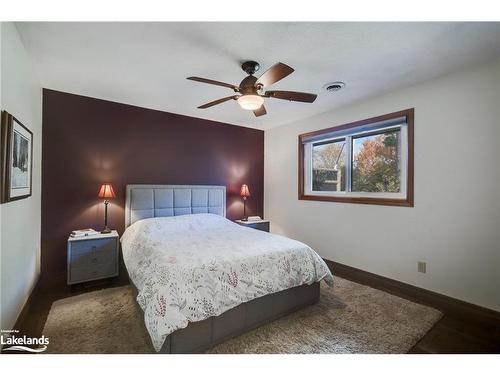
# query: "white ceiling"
{"type": "Point", "coordinates": [145, 64]}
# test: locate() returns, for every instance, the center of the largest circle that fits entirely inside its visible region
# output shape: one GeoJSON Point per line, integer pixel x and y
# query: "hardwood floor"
{"type": "Point", "coordinates": [459, 331]}
{"type": "Point", "coordinates": [452, 335]}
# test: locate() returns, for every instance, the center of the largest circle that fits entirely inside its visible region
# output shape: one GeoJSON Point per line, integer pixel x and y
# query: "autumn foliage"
{"type": "Point", "coordinates": [375, 166]}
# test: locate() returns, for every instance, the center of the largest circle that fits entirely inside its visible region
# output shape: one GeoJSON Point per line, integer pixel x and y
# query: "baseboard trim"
{"type": "Point", "coordinates": [448, 305]}
{"type": "Point", "coordinates": [24, 311]}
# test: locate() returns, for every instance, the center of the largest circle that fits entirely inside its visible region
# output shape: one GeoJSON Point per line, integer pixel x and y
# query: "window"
{"type": "Point", "coordinates": [328, 166]}
{"type": "Point", "coordinates": [376, 162]}
{"type": "Point", "coordinates": [369, 161]}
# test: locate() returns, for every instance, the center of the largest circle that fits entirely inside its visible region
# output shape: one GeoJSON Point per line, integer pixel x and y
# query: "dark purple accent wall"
{"type": "Point", "coordinates": [88, 141]}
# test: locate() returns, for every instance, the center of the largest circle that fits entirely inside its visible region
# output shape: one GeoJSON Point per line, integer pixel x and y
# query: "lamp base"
{"type": "Point", "coordinates": [106, 230]}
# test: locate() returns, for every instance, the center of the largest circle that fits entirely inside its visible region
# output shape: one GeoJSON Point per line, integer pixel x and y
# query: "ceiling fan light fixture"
{"type": "Point", "coordinates": [250, 102]}
{"type": "Point", "coordinates": [250, 92]}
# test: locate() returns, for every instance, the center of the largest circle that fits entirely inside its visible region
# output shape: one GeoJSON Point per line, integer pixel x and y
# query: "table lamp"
{"type": "Point", "coordinates": [106, 192]}
{"type": "Point", "coordinates": [244, 192]}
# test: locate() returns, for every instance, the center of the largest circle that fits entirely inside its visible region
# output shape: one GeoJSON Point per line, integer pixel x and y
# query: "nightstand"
{"type": "Point", "coordinates": [93, 257]}
{"type": "Point", "coordinates": [255, 224]}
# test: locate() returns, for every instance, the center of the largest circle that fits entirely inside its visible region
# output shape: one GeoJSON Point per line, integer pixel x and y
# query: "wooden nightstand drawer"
{"type": "Point", "coordinates": [89, 252]}
{"type": "Point", "coordinates": [99, 271]}
{"type": "Point", "coordinates": [92, 258]}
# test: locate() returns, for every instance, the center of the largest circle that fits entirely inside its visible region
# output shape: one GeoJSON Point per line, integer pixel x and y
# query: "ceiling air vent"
{"type": "Point", "coordinates": [334, 86]}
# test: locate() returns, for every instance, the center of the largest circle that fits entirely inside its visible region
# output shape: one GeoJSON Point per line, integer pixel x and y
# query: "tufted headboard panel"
{"type": "Point", "coordinates": [145, 201]}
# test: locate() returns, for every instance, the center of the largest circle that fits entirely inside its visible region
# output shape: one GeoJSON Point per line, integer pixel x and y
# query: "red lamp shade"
{"type": "Point", "coordinates": [244, 192]}
{"type": "Point", "coordinates": [106, 191]}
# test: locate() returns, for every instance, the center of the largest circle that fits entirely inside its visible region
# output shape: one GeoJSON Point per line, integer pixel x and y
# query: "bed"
{"type": "Point", "coordinates": [201, 279]}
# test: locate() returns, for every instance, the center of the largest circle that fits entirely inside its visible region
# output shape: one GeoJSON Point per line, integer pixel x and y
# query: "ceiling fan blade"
{"type": "Point", "coordinates": [212, 82]}
{"type": "Point", "coordinates": [275, 73]}
{"type": "Point", "coordinates": [293, 96]}
{"type": "Point", "coordinates": [260, 112]}
{"type": "Point", "coordinates": [218, 101]}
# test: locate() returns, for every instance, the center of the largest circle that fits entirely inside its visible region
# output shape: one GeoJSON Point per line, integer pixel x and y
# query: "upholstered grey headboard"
{"type": "Point", "coordinates": [144, 201]}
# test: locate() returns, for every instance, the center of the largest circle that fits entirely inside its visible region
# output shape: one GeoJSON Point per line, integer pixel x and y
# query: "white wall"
{"type": "Point", "coordinates": [20, 220]}
{"type": "Point", "coordinates": [455, 223]}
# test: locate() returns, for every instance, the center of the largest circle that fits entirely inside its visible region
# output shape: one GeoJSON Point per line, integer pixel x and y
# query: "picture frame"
{"type": "Point", "coordinates": [16, 159]}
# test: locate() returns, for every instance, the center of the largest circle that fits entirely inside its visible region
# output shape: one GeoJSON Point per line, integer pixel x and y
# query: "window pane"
{"type": "Point", "coordinates": [328, 169]}
{"type": "Point", "coordinates": [376, 162]}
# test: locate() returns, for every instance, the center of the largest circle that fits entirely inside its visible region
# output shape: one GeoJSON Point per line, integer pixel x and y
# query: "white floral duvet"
{"type": "Point", "coordinates": [191, 267]}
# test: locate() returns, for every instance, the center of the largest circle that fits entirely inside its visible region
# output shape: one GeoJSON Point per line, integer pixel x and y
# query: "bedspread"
{"type": "Point", "coordinates": [192, 267]}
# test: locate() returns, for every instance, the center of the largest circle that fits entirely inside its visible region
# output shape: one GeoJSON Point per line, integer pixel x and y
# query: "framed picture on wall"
{"type": "Point", "coordinates": [16, 142]}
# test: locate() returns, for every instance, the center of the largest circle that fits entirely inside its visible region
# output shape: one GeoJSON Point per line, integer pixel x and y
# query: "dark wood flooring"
{"type": "Point", "coordinates": [459, 331]}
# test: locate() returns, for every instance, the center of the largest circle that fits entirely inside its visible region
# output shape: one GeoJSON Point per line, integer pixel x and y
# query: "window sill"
{"type": "Point", "coordinates": [402, 202]}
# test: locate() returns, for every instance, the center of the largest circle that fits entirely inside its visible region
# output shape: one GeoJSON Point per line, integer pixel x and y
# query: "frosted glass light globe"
{"type": "Point", "coordinates": [250, 102]}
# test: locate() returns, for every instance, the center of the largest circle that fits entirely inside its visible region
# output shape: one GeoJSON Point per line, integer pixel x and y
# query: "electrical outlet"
{"type": "Point", "coordinates": [422, 267]}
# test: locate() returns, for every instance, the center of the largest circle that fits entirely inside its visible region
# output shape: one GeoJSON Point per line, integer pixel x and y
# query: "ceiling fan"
{"type": "Point", "coordinates": [250, 91]}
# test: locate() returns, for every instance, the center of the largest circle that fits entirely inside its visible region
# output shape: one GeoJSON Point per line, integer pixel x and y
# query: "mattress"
{"type": "Point", "coordinates": [191, 267]}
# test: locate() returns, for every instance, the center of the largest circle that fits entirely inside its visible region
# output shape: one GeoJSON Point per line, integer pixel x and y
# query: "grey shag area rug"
{"type": "Point", "coordinates": [350, 318]}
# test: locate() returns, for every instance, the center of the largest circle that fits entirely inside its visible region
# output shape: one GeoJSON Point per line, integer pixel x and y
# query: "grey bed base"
{"type": "Point", "coordinates": [200, 336]}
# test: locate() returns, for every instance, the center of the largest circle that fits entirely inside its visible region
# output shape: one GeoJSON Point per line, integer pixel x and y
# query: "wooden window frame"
{"type": "Point", "coordinates": [405, 202]}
